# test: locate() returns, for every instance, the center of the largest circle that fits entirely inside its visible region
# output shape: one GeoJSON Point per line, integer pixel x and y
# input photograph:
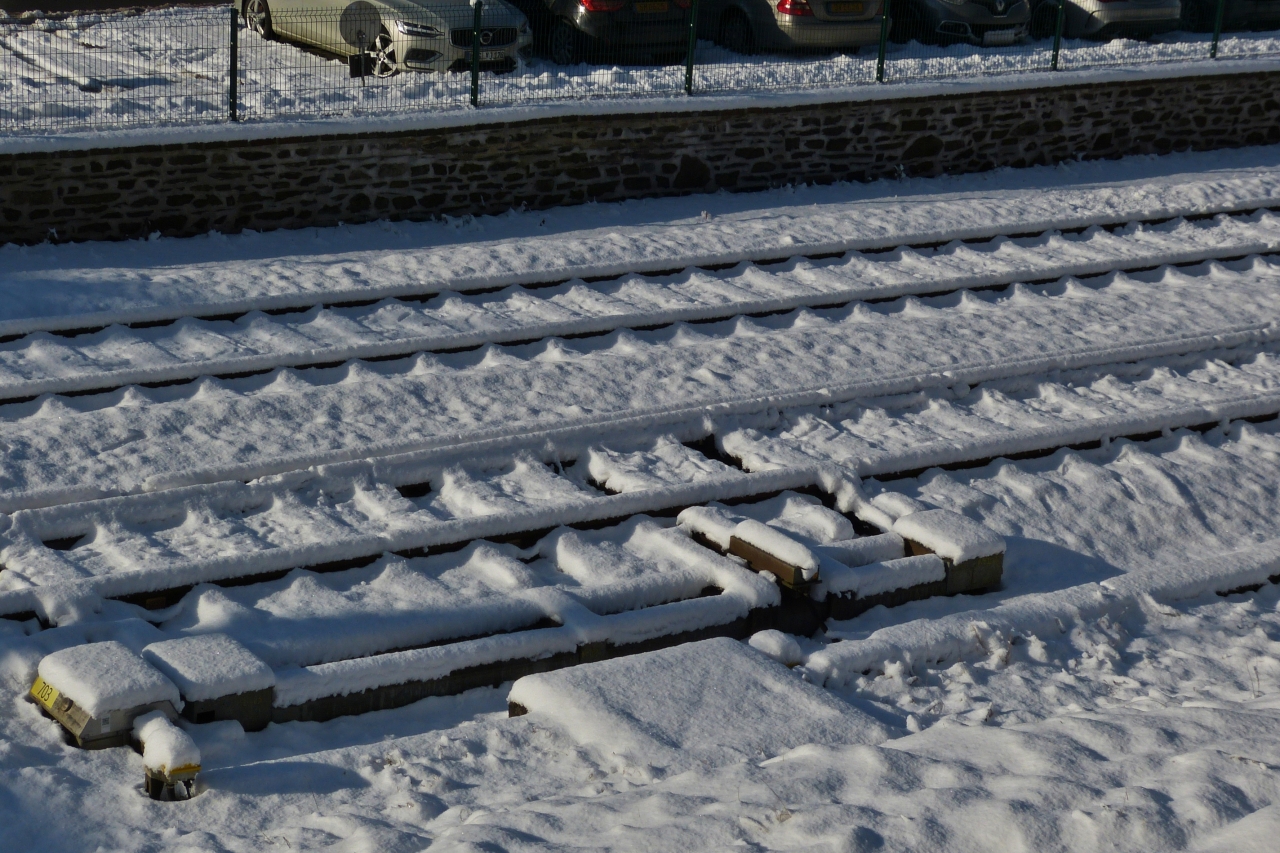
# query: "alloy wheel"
{"type": "Point", "coordinates": [565, 44]}
{"type": "Point", "coordinates": [384, 55]}
{"type": "Point", "coordinates": [257, 16]}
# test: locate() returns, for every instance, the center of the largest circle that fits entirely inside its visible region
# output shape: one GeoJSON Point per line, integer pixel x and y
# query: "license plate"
{"type": "Point", "coordinates": [1000, 37]}
{"type": "Point", "coordinates": [845, 8]}
{"type": "Point", "coordinates": [45, 693]}
{"type": "Point", "coordinates": [652, 7]}
{"type": "Point", "coordinates": [492, 55]}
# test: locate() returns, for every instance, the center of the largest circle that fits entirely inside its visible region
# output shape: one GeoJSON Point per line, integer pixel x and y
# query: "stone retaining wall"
{"type": "Point", "coordinates": [192, 188]}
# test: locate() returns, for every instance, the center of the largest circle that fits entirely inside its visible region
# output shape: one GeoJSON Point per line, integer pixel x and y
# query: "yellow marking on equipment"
{"type": "Point", "coordinates": [45, 693]}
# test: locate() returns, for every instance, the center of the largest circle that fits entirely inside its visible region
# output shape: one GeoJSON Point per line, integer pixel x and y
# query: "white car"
{"type": "Point", "coordinates": [397, 34]}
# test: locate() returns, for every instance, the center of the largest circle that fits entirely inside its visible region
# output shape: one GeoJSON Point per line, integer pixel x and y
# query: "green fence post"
{"type": "Point", "coordinates": [475, 57]}
{"type": "Point", "coordinates": [1057, 33]}
{"type": "Point", "coordinates": [884, 41]}
{"type": "Point", "coordinates": [693, 43]}
{"type": "Point", "coordinates": [234, 75]}
{"type": "Point", "coordinates": [1217, 28]}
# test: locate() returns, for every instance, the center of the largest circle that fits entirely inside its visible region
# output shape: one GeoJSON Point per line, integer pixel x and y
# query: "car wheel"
{"type": "Point", "coordinates": [908, 24]}
{"type": "Point", "coordinates": [566, 44]}
{"type": "Point", "coordinates": [735, 33]}
{"type": "Point", "coordinates": [257, 17]}
{"type": "Point", "coordinates": [384, 55]}
{"type": "Point", "coordinates": [1044, 21]}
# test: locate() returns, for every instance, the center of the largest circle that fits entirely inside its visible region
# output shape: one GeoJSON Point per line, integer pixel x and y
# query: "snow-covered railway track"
{"type": "Point", "coordinates": [99, 285]}
{"type": "Point", "coordinates": [351, 640]}
{"type": "Point", "coordinates": [186, 349]}
{"type": "Point", "coordinates": [501, 400]}
{"type": "Point", "coordinates": [152, 548]}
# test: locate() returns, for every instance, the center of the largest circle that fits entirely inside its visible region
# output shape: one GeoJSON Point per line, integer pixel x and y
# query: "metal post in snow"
{"type": "Point", "coordinates": [1057, 33]}
{"type": "Point", "coordinates": [234, 70]}
{"type": "Point", "coordinates": [693, 43]}
{"type": "Point", "coordinates": [1217, 28]}
{"type": "Point", "coordinates": [884, 41]}
{"type": "Point", "coordinates": [475, 56]}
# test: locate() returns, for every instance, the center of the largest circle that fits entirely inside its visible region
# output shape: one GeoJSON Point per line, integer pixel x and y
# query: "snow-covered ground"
{"type": "Point", "coordinates": [170, 66]}
{"type": "Point", "coordinates": [530, 440]}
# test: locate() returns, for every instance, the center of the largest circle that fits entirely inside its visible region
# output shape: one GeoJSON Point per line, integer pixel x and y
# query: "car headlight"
{"type": "Point", "coordinates": [425, 31]}
{"type": "Point", "coordinates": [524, 28]}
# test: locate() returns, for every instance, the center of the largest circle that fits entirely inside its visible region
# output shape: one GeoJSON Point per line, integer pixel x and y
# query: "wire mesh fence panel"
{"type": "Point", "coordinates": [598, 48]}
{"type": "Point", "coordinates": [1246, 28]}
{"type": "Point", "coordinates": [965, 38]}
{"type": "Point", "coordinates": [1079, 54]}
{"type": "Point", "coordinates": [1250, 45]}
{"type": "Point", "coordinates": [1098, 33]}
{"type": "Point", "coordinates": [786, 44]}
{"type": "Point", "coordinates": [277, 59]}
{"type": "Point", "coordinates": [113, 69]}
{"type": "Point", "coordinates": [364, 59]}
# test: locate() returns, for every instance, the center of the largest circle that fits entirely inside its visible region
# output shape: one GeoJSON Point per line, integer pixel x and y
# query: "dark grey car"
{"type": "Point", "coordinates": [990, 23]}
{"type": "Point", "coordinates": [1103, 19]}
{"type": "Point", "coordinates": [1237, 15]}
{"type": "Point", "coordinates": [571, 31]}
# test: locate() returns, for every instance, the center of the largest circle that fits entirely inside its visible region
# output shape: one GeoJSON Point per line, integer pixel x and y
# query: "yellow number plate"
{"type": "Point", "coordinates": [845, 8]}
{"type": "Point", "coordinates": [45, 693]}
{"type": "Point", "coordinates": [651, 7]}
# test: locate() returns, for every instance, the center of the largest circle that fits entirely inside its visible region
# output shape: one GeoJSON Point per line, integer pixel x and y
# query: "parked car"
{"type": "Point", "coordinates": [747, 26]}
{"type": "Point", "coordinates": [1104, 19]}
{"type": "Point", "coordinates": [1237, 15]}
{"type": "Point", "coordinates": [989, 23]}
{"type": "Point", "coordinates": [398, 34]}
{"type": "Point", "coordinates": [571, 31]}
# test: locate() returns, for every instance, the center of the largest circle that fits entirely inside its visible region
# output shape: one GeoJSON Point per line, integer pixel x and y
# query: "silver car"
{"type": "Point", "coordinates": [1104, 19]}
{"type": "Point", "coordinates": [397, 34]}
{"type": "Point", "coordinates": [745, 26]}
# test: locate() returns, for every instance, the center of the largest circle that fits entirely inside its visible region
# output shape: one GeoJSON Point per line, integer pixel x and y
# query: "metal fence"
{"type": "Point", "coordinates": [270, 59]}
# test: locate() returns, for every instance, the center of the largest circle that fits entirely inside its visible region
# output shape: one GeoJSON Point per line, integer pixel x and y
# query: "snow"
{"type": "Point", "coordinates": [865, 549]}
{"type": "Point", "coordinates": [897, 505]}
{"type": "Point", "coordinates": [166, 749]}
{"type": "Point", "coordinates": [779, 646]}
{"type": "Point", "coordinates": [712, 522]}
{"type": "Point", "coordinates": [209, 666]}
{"type": "Point", "coordinates": [779, 545]}
{"type": "Point", "coordinates": [800, 516]}
{"type": "Point", "coordinates": [40, 363]}
{"type": "Point", "coordinates": [1112, 691]}
{"type": "Point", "coordinates": [875, 578]}
{"type": "Point", "coordinates": [456, 771]}
{"type": "Point", "coordinates": [949, 535]}
{"type": "Point", "coordinates": [395, 603]}
{"type": "Point", "coordinates": [105, 677]}
{"type": "Point", "coordinates": [795, 528]}
{"type": "Point", "coordinates": [420, 619]}
{"type": "Point", "coordinates": [94, 284]}
{"type": "Point", "coordinates": [119, 443]}
{"type": "Point", "coordinates": [945, 426]}
{"type": "Point", "coordinates": [720, 703]}
{"type": "Point", "coordinates": [668, 462]}
{"type": "Point", "coordinates": [239, 529]}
